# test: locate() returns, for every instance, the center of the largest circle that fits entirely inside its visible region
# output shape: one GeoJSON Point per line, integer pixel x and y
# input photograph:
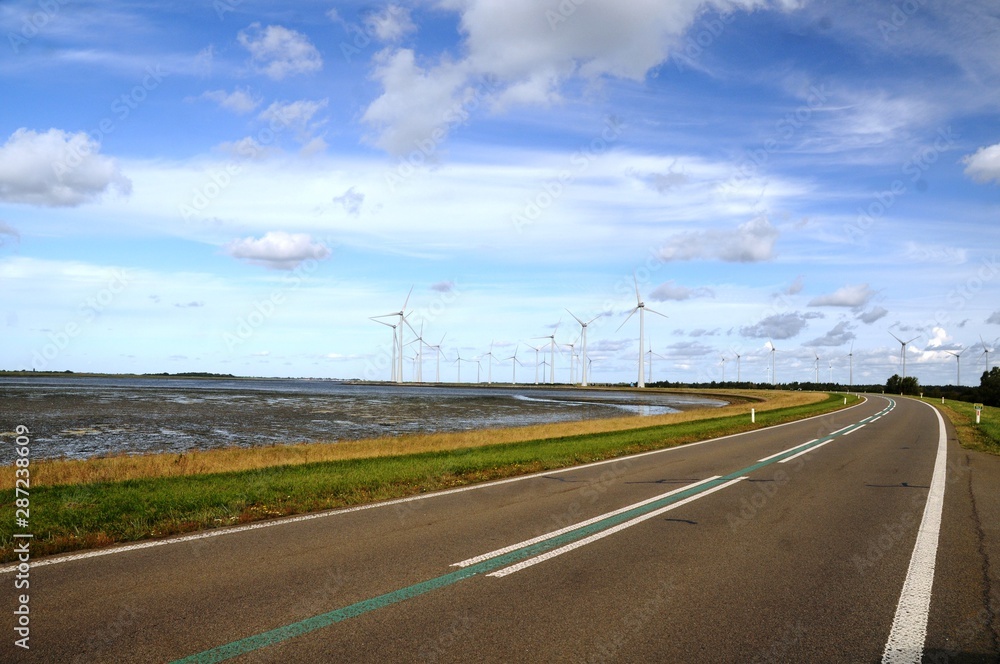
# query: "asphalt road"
{"type": "Point", "coordinates": [786, 544]}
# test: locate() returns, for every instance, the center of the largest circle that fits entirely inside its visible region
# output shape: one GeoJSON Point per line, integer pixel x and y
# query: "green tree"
{"type": "Point", "coordinates": [989, 387]}
{"type": "Point", "coordinates": [898, 385]}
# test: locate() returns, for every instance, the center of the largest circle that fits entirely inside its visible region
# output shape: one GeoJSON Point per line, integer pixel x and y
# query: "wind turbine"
{"type": "Point", "coordinates": [773, 349]}
{"type": "Point", "coordinates": [552, 354]}
{"type": "Point", "coordinates": [738, 356]}
{"type": "Point", "coordinates": [489, 373]}
{"type": "Point", "coordinates": [723, 368]}
{"type": "Point", "coordinates": [851, 356]}
{"type": "Point", "coordinates": [437, 352]}
{"type": "Point", "coordinates": [640, 306]}
{"type": "Point", "coordinates": [902, 351]}
{"type": "Point", "coordinates": [536, 361]}
{"type": "Point", "coordinates": [513, 366]}
{"type": "Point", "coordinates": [402, 319]}
{"type": "Point", "coordinates": [392, 373]}
{"type": "Point", "coordinates": [459, 363]}
{"type": "Point", "coordinates": [986, 352]}
{"type": "Point", "coordinates": [420, 350]}
{"type": "Point", "coordinates": [817, 366]}
{"type": "Point", "coordinates": [958, 362]}
{"type": "Point", "coordinates": [650, 354]}
{"type": "Point", "coordinates": [583, 335]}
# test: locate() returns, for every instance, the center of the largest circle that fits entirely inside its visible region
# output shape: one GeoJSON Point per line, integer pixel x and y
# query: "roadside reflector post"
{"type": "Point", "coordinates": [942, 399]}
{"type": "Point", "coordinates": [979, 411]}
{"type": "Point", "coordinates": [845, 401]}
{"type": "Point", "coordinates": [753, 416]}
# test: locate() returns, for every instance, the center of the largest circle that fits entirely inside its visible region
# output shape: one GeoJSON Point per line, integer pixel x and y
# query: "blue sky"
{"type": "Point", "coordinates": [235, 187]}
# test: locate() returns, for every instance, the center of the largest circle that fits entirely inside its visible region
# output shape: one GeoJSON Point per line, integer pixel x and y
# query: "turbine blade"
{"type": "Point", "coordinates": [626, 319]}
{"type": "Point", "coordinates": [407, 300]}
{"type": "Point", "coordinates": [653, 311]}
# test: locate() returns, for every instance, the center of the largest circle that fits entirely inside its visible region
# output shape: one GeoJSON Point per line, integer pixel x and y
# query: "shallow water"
{"type": "Point", "coordinates": [86, 417]}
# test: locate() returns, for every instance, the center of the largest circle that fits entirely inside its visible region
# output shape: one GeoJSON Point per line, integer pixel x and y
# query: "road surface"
{"type": "Point", "coordinates": [851, 537]}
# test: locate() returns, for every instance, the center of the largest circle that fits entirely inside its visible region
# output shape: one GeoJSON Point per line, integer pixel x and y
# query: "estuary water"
{"type": "Point", "coordinates": [82, 417]}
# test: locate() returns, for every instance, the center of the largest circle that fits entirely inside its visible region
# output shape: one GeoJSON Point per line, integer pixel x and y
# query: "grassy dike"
{"type": "Point", "coordinates": [984, 436]}
{"type": "Point", "coordinates": [71, 517]}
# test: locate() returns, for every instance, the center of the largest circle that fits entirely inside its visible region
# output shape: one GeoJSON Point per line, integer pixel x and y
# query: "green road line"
{"type": "Point", "coordinates": [292, 630]}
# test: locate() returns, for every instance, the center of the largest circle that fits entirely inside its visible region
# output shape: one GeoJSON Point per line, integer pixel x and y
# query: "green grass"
{"type": "Point", "coordinates": [72, 517]}
{"type": "Point", "coordinates": [984, 436]}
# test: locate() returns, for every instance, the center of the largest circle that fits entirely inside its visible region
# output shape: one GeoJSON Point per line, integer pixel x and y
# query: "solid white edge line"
{"type": "Point", "coordinates": [605, 533]}
{"type": "Point", "coordinates": [320, 515]}
{"type": "Point", "coordinates": [909, 627]}
{"type": "Point", "coordinates": [575, 526]}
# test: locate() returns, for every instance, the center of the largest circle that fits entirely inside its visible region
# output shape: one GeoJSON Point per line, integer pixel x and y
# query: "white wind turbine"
{"type": "Point", "coordinates": [640, 306]}
{"type": "Point", "coordinates": [851, 356]}
{"type": "Point", "coordinates": [437, 353]}
{"type": "Point", "coordinates": [650, 354]}
{"type": "Point", "coordinates": [986, 352]}
{"type": "Point", "coordinates": [817, 366]}
{"type": "Point", "coordinates": [513, 366]}
{"type": "Point", "coordinates": [420, 350]}
{"type": "Point", "coordinates": [958, 362]}
{"type": "Point", "coordinates": [402, 319]}
{"type": "Point", "coordinates": [458, 353]}
{"type": "Point", "coordinates": [572, 362]}
{"type": "Point", "coordinates": [738, 356]}
{"type": "Point", "coordinates": [773, 351]}
{"type": "Point", "coordinates": [723, 362]}
{"type": "Point", "coordinates": [902, 351]}
{"type": "Point", "coordinates": [392, 377]}
{"type": "Point", "coordinates": [489, 372]}
{"type": "Point", "coordinates": [552, 353]}
{"type": "Point", "coordinates": [583, 335]}
{"type": "Point", "coordinates": [536, 361]}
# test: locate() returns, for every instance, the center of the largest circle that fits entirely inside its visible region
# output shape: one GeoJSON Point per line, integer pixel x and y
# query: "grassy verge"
{"type": "Point", "coordinates": [66, 517]}
{"type": "Point", "coordinates": [984, 436]}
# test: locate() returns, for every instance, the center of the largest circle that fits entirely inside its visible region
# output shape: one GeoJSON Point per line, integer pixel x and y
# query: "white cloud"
{"type": "Point", "coordinates": [671, 291]}
{"type": "Point", "coordinates": [984, 165]}
{"type": "Point", "coordinates": [530, 51]}
{"type": "Point", "coordinates": [838, 336]}
{"type": "Point", "coordinates": [848, 296]}
{"type": "Point", "coordinates": [873, 315]}
{"type": "Point", "coordinates": [392, 24]}
{"type": "Point", "coordinates": [752, 242]}
{"type": "Point", "coordinates": [994, 318]}
{"type": "Point", "coordinates": [779, 326]}
{"type": "Point", "coordinates": [56, 169]}
{"type": "Point", "coordinates": [279, 52]}
{"type": "Point", "coordinates": [238, 101]}
{"type": "Point", "coordinates": [278, 250]}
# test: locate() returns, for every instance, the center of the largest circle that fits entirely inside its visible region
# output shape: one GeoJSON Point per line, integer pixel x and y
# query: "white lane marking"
{"type": "Point", "coordinates": [605, 533]}
{"type": "Point", "coordinates": [794, 447]}
{"type": "Point", "coordinates": [909, 627]}
{"type": "Point", "coordinates": [807, 451]}
{"type": "Point", "coordinates": [207, 534]}
{"type": "Point", "coordinates": [575, 526]}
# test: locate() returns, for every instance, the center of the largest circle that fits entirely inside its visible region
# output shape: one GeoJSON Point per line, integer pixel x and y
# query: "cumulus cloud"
{"type": "Point", "coordinates": [779, 326]}
{"type": "Point", "coordinates": [751, 242]}
{"type": "Point", "coordinates": [869, 317]}
{"type": "Point", "coordinates": [984, 165]}
{"type": "Point", "coordinates": [237, 101]}
{"type": "Point", "coordinates": [391, 24]}
{"type": "Point", "coordinates": [994, 318]}
{"type": "Point", "coordinates": [278, 51]}
{"type": "Point", "coordinates": [848, 296]}
{"type": "Point", "coordinates": [796, 286]}
{"type": "Point", "coordinates": [56, 169]}
{"type": "Point", "coordinates": [298, 115]}
{"type": "Point", "coordinates": [671, 291]}
{"type": "Point", "coordinates": [531, 52]}
{"type": "Point", "coordinates": [278, 250]}
{"type": "Point", "coordinates": [351, 200]}
{"type": "Point", "coordinates": [838, 336]}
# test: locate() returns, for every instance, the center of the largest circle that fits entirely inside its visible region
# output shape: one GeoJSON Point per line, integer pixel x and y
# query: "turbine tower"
{"type": "Point", "coordinates": [640, 306]}
{"type": "Point", "coordinates": [958, 362]}
{"type": "Point", "coordinates": [536, 360]}
{"type": "Point", "coordinates": [851, 356]}
{"type": "Point", "coordinates": [583, 335]}
{"type": "Point", "coordinates": [817, 366]}
{"type": "Point", "coordinates": [902, 351]}
{"type": "Point", "coordinates": [552, 353]}
{"type": "Point", "coordinates": [392, 373]}
{"type": "Point", "coordinates": [986, 352]}
{"type": "Point", "coordinates": [773, 349]}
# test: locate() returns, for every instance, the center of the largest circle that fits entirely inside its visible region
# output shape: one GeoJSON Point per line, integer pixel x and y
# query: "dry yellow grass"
{"type": "Point", "coordinates": [125, 467]}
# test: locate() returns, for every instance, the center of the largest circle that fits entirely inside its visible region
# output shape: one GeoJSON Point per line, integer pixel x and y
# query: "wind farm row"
{"type": "Point", "coordinates": [579, 364]}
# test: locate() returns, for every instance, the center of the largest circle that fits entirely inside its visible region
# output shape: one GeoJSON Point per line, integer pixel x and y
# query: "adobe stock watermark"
{"type": "Point", "coordinates": [784, 130]}
{"type": "Point", "coordinates": [901, 14]}
{"type": "Point", "coordinates": [702, 39]}
{"type": "Point", "coordinates": [552, 189]}
{"type": "Point", "coordinates": [121, 108]}
{"type": "Point", "coordinates": [220, 179]}
{"type": "Point", "coordinates": [88, 310]}
{"type": "Point", "coordinates": [914, 169]}
{"type": "Point", "coordinates": [262, 310]}
{"type": "Point", "coordinates": [34, 23]}
{"type": "Point", "coordinates": [425, 149]}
